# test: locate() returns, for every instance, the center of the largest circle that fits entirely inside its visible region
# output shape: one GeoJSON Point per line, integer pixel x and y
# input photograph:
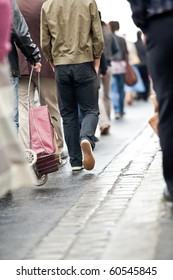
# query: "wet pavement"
{"type": "Point", "coordinates": [121, 215]}
{"type": "Point", "coordinates": [113, 212]}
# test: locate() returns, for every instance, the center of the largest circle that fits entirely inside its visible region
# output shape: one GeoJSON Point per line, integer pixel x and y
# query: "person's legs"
{"type": "Point", "coordinates": [69, 112]}
{"type": "Point", "coordinates": [144, 75]}
{"type": "Point", "coordinates": [104, 121]}
{"type": "Point", "coordinates": [86, 90]}
{"type": "Point", "coordinates": [78, 84]}
{"type": "Point", "coordinates": [23, 110]}
{"type": "Point", "coordinates": [15, 81]}
{"type": "Point", "coordinates": [115, 97]}
{"type": "Point", "coordinates": [106, 80]}
{"type": "Point", "coordinates": [14, 172]}
{"type": "Point", "coordinates": [118, 94]}
{"type": "Point", "coordinates": [160, 57]}
{"type": "Point", "coordinates": [121, 82]}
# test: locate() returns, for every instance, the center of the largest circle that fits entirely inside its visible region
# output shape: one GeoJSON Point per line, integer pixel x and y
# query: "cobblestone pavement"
{"type": "Point", "coordinates": [121, 215]}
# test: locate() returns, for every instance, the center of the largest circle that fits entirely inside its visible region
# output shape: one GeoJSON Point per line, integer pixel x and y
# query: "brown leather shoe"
{"type": "Point", "coordinates": [104, 130]}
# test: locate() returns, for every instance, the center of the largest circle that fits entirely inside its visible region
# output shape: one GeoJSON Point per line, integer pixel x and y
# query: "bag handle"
{"type": "Point", "coordinates": [29, 86]}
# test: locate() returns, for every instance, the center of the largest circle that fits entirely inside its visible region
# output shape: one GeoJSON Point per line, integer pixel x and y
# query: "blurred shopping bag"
{"type": "Point", "coordinates": [41, 131]}
{"type": "Point", "coordinates": [42, 138]}
{"type": "Point", "coordinates": [130, 75]}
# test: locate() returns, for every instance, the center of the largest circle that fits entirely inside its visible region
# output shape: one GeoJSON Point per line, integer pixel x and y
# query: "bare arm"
{"type": "Point", "coordinates": [97, 64]}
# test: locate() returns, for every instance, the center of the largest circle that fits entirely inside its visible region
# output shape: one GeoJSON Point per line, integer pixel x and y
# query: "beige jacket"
{"type": "Point", "coordinates": [71, 31]}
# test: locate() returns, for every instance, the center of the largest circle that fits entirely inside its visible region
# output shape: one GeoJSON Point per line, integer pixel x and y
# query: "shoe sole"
{"type": "Point", "coordinates": [77, 168]}
{"type": "Point", "coordinates": [88, 158]}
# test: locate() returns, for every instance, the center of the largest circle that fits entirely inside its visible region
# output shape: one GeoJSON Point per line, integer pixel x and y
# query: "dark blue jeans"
{"type": "Point", "coordinates": [117, 92]}
{"type": "Point", "coordinates": [78, 85]}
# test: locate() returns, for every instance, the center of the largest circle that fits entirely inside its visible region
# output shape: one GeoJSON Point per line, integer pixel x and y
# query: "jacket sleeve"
{"type": "Point", "coordinates": [96, 31]}
{"type": "Point", "coordinates": [45, 38]}
{"type": "Point", "coordinates": [22, 37]}
{"type": "Point", "coordinates": [139, 13]}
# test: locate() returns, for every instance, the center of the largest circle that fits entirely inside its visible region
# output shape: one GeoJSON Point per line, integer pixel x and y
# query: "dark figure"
{"type": "Point", "coordinates": [143, 68]}
{"type": "Point", "coordinates": [155, 19]}
{"type": "Point", "coordinates": [21, 38]}
{"type": "Point", "coordinates": [118, 69]}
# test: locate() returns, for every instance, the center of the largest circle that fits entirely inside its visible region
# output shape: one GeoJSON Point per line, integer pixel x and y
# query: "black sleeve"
{"type": "Point", "coordinates": [139, 13]}
{"type": "Point", "coordinates": [22, 38]}
{"type": "Point", "coordinates": [103, 65]}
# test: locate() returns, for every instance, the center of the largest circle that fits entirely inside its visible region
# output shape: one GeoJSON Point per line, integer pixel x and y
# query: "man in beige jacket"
{"type": "Point", "coordinates": [72, 41]}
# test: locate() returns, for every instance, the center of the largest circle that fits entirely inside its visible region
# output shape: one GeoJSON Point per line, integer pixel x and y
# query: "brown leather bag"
{"type": "Point", "coordinates": [130, 75]}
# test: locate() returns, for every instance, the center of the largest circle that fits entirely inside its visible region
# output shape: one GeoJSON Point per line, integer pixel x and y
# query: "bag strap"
{"type": "Point", "coordinates": [29, 86]}
{"type": "Point", "coordinates": [38, 85]}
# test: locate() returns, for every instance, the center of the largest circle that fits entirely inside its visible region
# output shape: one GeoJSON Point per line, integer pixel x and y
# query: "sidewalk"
{"type": "Point", "coordinates": [119, 216]}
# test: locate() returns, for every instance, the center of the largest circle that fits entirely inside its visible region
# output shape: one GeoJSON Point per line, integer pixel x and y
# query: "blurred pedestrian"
{"type": "Point", "coordinates": [21, 38]}
{"type": "Point", "coordinates": [74, 48]}
{"type": "Point", "coordinates": [47, 87]}
{"type": "Point", "coordinates": [105, 82]}
{"type": "Point", "coordinates": [118, 64]}
{"type": "Point", "coordinates": [142, 66]}
{"type": "Point", "coordinates": [155, 18]}
{"type": "Point", "coordinates": [138, 87]}
{"type": "Point", "coordinates": [5, 23]}
{"type": "Point", "coordinates": [14, 171]}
